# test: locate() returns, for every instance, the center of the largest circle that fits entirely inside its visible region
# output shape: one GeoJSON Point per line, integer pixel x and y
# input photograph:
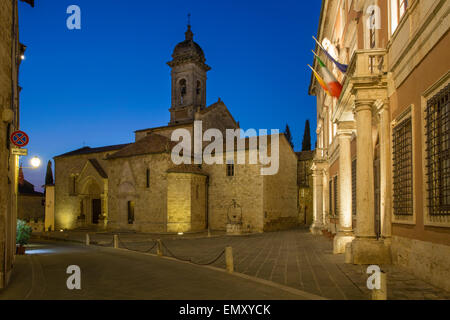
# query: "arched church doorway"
{"type": "Point", "coordinates": [92, 201]}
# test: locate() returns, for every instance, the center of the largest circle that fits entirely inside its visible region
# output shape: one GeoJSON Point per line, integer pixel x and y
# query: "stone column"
{"type": "Point", "coordinates": [366, 249]}
{"type": "Point", "coordinates": [316, 227]}
{"type": "Point", "coordinates": [345, 232]}
{"type": "Point", "coordinates": [385, 164]}
{"type": "Point", "coordinates": [325, 203]}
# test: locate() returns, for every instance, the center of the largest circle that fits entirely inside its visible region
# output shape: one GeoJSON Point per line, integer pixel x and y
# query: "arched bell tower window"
{"type": "Point", "coordinates": [198, 91]}
{"type": "Point", "coordinates": [199, 87]}
{"type": "Point", "coordinates": [183, 90]}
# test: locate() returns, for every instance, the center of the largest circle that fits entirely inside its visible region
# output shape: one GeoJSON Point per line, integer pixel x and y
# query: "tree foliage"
{"type": "Point", "coordinates": [287, 133]}
{"type": "Point", "coordinates": [306, 143]}
{"type": "Point", "coordinates": [49, 174]}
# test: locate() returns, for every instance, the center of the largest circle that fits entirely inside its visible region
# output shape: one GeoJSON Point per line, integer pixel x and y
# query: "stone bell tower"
{"type": "Point", "coordinates": [188, 80]}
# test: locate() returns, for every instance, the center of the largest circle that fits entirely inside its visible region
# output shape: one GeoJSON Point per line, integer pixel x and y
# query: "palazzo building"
{"type": "Point", "coordinates": [382, 169]}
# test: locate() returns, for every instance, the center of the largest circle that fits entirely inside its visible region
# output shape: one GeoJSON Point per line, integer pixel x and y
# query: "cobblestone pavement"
{"type": "Point", "coordinates": [293, 258]}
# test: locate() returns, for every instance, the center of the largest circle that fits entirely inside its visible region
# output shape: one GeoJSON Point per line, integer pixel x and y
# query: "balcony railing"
{"type": "Point", "coordinates": [367, 63]}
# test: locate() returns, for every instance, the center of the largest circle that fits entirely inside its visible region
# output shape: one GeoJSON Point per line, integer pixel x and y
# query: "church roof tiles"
{"type": "Point", "coordinates": [151, 144]}
{"type": "Point", "coordinates": [89, 150]}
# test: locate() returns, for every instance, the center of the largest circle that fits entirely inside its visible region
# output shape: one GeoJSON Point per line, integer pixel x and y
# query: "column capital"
{"type": "Point", "coordinates": [382, 105]}
{"type": "Point", "coordinates": [346, 128]}
{"type": "Point", "coordinates": [364, 105]}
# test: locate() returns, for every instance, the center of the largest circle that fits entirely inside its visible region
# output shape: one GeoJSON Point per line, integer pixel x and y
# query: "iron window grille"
{"type": "Point", "coordinates": [403, 169]}
{"type": "Point", "coordinates": [354, 187]}
{"type": "Point", "coordinates": [437, 128]}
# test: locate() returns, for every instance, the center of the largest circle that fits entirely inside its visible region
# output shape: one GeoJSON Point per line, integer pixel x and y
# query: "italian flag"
{"type": "Point", "coordinates": [333, 85]}
{"type": "Point", "coordinates": [319, 80]}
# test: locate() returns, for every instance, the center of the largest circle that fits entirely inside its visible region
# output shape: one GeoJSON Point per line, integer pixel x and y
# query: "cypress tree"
{"type": "Point", "coordinates": [306, 143]}
{"type": "Point", "coordinates": [287, 133]}
{"type": "Point", "coordinates": [49, 174]}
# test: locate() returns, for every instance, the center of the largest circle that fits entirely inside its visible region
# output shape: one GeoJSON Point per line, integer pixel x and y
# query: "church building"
{"type": "Point", "coordinates": [137, 187]}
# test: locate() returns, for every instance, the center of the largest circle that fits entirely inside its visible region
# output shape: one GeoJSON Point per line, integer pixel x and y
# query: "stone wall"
{"type": "Point", "coordinates": [30, 207]}
{"type": "Point", "coordinates": [50, 208]}
{"type": "Point", "coordinates": [280, 192]}
{"type": "Point", "coordinates": [245, 188]}
{"type": "Point", "coordinates": [9, 116]}
{"type": "Point", "coordinates": [426, 260]}
{"type": "Point", "coordinates": [67, 203]}
{"type": "Point", "coordinates": [305, 187]}
{"type": "Point", "coordinates": [186, 204]}
{"type": "Point", "coordinates": [127, 182]}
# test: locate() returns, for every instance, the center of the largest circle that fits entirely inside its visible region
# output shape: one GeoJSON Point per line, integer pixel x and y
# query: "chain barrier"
{"type": "Point", "coordinates": [144, 251]}
{"type": "Point", "coordinates": [155, 243]}
{"type": "Point", "coordinates": [190, 259]}
{"type": "Point", "coordinates": [108, 244]}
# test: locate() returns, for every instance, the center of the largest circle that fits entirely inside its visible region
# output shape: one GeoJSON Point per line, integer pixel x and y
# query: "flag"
{"type": "Point", "coordinates": [319, 79]}
{"type": "Point", "coordinates": [342, 67]}
{"type": "Point", "coordinates": [30, 2]}
{"type": "Point", "coordinates": [333, 85]}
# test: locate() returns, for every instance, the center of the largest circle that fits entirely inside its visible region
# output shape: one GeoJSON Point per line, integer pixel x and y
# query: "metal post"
{"type": "Point", "coordinates": [229, 259]}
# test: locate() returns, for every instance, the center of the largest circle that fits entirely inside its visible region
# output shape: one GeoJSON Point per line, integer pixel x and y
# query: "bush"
{"type": "Point", "coordinates": [23, 232]}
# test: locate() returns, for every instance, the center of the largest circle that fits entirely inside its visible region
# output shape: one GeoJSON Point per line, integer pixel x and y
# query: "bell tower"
{"type": "Point", "coordinates": [188, 79]}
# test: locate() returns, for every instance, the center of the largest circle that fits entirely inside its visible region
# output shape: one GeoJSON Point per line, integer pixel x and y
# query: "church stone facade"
{"type": "Point", "coordinates": [137, 187]}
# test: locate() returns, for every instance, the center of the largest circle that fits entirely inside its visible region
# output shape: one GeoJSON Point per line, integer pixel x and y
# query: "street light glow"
{"type": "Point", "coordinates": [35, 162]}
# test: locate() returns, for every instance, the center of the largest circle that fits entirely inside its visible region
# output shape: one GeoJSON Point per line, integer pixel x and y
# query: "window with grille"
{"type": "Point", "coordinates": [437, 128]}
{"type": "Point", "coordinates": [403, 169]}
{"type": "Point", "coordinates": [354, 187]}
{"type": "Point", "coordinates": [335, 196]}
{"type": "Point", "coordinates": [330, 195]}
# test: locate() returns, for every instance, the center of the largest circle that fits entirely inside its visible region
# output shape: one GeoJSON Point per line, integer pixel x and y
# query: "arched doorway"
{"type": "Point", "coordinates": [92, 201]}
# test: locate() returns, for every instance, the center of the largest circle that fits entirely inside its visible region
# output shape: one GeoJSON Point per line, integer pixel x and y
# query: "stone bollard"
{"type": "Point", "coordinates": [229, 259]}
{"type": "Point", "coordinates": [209, 233]}
{"type": "Point", "coordinates": [382, 293]}
{"type": "Point", "coordinates": [348, 253]}
{"type": "Point", "coordinates": [159, 248]}
{"type": "Point", "coordinates": [116, 241]}
{"type": "Point", "coordinates": [88, 239]}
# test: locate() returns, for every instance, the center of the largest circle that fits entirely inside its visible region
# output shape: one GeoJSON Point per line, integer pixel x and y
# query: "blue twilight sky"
{"type": "Point", "coordinates": [96, 86]}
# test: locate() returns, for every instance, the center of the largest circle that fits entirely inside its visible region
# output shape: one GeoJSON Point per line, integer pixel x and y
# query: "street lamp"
{"type": "Point", "coordinates": [35, 162]}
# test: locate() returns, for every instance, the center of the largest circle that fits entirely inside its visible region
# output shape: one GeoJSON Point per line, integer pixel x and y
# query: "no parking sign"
{"type": "Point", "coordinates": [19, 139]}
